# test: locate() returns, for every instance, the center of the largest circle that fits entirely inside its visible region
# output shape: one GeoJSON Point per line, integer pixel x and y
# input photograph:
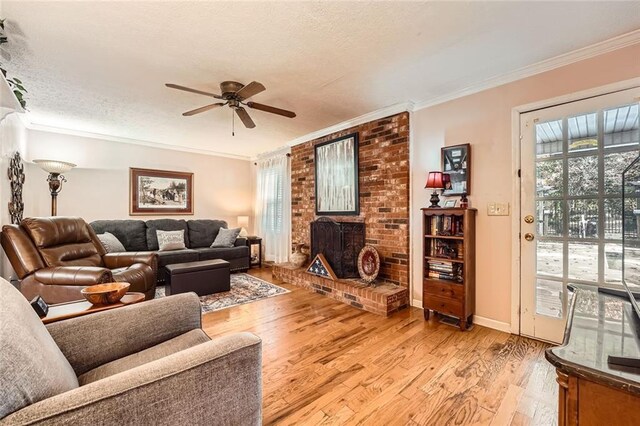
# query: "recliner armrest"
{"type": "Point", "coordinates": [73, 275]}
{"type": "Point", "coordinates": [92, 340]}
{"type": "Point", "coordinates": [120, 260]}
{"type": "Point", "coordinates": [217, 382]}
{"type": "Point", "coordinates": [240, 242]}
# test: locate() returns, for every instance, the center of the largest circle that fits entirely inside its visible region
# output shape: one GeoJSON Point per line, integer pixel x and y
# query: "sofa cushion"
{"type": "Point", "coordinates": [225, 253]}
{"type": "Point", "coordinates": [176, 256]}
{"type": "Point", "coordinates": [226, 237]}
{"type": "Point", "coordinates": [170, 240]}
{"type": "Point", "coordinates": [177, 344]}
{"type": "Point", "coordinates": [165, 225]}
{"type": "Point", "coordinates": [111, 243]}
{"type": "Point", "coordinates": [202, 232]}
{"type": "Point", "coordinates": [131, 233]}
{"type": "Point", "coordinates": [32, 367]}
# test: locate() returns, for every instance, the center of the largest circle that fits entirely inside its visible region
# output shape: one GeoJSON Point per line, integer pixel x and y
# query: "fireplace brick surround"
{"type": "Point", "coordinates": [384, 196]}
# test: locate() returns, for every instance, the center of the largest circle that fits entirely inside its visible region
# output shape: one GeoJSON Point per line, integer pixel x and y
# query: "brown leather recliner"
{"type": "Point", "coordinates": [55, 257]}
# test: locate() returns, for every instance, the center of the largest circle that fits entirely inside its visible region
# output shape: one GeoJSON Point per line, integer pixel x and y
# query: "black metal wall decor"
{"type": "Point", "coordinates": [340, 243]}
{"type": "Point", "coordinates": [16, 179]}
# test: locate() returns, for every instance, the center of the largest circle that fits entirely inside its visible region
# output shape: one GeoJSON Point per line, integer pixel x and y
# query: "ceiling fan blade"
{"type": "Point", "coordinates": [188, 89]}
{"type": "Point", "coordinates": [272, 110]}
{"type": "Point", "coordinates": [250, 90]}
{"type": "Point", "coordinates": [202, 109]}
{"type": "Point", "coordinates": [244, 116]}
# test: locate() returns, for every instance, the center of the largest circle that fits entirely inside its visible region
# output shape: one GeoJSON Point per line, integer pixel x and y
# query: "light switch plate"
{"type": "Point", "coordinates": [497, 209]}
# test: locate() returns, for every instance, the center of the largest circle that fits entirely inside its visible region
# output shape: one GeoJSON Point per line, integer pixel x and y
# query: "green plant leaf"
{"type": "Point", "coordinates": [17, 80]}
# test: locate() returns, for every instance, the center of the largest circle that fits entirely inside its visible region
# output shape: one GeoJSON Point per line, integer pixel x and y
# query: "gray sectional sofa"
{"type": "Point", "coordinates": [199, 234]}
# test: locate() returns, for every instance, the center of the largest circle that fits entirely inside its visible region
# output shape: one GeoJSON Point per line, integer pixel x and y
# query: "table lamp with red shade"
{"type": "Point", "coordinates": [437, 181]}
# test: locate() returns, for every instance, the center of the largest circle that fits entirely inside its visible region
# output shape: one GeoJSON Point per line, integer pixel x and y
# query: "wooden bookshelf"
{"type": "Point", "coordinates": [449, 270]}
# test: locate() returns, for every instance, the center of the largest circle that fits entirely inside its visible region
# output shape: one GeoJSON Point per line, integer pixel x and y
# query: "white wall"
{"type": "Point", "coordinates": [12, 138]}
{"type": "Point", "coordinates": [99, 187]}
{"type": "Point", "coordinates": [484, 120]}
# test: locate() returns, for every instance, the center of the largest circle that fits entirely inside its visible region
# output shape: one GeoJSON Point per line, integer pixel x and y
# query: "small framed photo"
{"type": "Point", "coordinates": [160, 192]}
{"type": "Point", "coordinates": [449, 203]}
{"type": "Point", "coordinates": [456, 161]}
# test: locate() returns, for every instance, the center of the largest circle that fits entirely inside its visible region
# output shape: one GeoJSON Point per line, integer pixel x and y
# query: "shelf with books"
{"type": "Point", "coordinates": [456, 260]}
{"type": "Point", "coordinates": [449, 263]}
{"type": "Point", "coordinates": [445, 237]}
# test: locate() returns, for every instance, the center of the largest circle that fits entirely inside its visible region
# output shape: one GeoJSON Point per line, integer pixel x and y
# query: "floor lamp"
{"type": "Point", "coordinates": [55, 178]}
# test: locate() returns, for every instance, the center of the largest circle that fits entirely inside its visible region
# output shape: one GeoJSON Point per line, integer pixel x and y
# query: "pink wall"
{"type": "Point", "coordinates": [484, 120]}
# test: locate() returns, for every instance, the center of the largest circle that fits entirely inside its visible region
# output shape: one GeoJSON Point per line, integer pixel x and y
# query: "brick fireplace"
{"type": "Point", "coordinates": [384, 208]}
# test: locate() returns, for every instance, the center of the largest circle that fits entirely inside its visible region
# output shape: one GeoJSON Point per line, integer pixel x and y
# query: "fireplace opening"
{"type": "Point", "coordinates": [340, 243]}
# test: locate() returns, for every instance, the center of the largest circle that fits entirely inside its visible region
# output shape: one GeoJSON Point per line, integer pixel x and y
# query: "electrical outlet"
{"type": "Point", "coordinates": [497, 209]}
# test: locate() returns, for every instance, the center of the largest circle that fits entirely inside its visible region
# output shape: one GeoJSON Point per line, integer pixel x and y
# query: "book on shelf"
{"type": "Point", "coordinates": [443, 276]}
{"type": "Point", "coordinates": [440, 269]}
{"type": "Point", "coordinates": [444, 249]}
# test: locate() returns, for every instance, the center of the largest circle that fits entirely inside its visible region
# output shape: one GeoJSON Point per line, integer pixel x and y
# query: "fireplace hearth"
{"type": "Point", "coordinates": [340, 243]}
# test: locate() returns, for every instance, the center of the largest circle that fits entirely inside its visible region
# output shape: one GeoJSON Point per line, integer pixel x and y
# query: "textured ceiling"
{"type": "Point", "coordinates": [101, 66]}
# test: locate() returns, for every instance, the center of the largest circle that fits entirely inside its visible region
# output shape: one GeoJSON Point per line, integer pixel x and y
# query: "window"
{"type": "Point", "coordinates": [273, 207]}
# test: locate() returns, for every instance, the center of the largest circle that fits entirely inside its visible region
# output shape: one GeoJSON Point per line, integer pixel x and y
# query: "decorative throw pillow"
{"type": "Point", "coordinates": [170, 240]}
{"type": "Point", "coordinates": [226, 237]}
{"type": "Point", "coordinates": [111, 243]}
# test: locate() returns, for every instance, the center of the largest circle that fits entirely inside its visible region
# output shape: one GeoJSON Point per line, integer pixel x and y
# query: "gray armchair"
{"type": "Point", "coordinates": [148, 363]}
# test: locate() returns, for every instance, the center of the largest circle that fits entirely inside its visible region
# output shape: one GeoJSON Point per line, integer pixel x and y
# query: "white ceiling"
{"type": "Point", "coordinates": [100, 67]}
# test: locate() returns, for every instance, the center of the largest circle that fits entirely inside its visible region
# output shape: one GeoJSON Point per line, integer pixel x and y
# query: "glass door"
{"type": "Point", "coordinates": [572, 160]}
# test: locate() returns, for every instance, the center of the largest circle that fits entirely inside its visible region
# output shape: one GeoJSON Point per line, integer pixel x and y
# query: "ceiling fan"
{"type": "Point", "coordinates": [235, 95]}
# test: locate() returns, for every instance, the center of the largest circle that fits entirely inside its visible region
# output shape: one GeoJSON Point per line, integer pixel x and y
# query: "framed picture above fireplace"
{"type": "Point", "coordinates": [336, 177]}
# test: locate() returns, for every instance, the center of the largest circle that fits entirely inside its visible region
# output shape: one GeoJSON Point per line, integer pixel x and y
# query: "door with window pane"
{"type": "Point", "coordinates": [572, 160]}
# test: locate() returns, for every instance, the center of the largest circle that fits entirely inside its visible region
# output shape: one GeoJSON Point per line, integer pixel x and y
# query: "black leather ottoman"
{"type": "Point", "coordinates": [202, 277]}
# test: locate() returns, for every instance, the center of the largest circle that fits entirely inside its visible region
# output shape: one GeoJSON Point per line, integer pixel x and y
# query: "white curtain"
{"type": "Point", "coordinates": [273, 207]}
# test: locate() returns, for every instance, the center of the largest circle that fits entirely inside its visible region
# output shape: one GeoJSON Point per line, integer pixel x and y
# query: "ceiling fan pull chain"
{"type": "Point", "coordinates": [233, 123]}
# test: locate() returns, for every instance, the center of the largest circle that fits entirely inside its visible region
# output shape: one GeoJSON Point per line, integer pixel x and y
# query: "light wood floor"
{"type": "Point", "coordinates": [328, 363]}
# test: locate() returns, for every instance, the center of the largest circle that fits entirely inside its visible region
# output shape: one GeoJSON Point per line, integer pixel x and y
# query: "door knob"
{"type": "Point", "coordinates": [528, 219]}
{"type": "Point", "coordinates": [528, 236]}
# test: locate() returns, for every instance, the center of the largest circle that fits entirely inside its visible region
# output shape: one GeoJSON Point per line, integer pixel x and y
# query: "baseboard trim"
{"type": "Point", "coordinates": [483, 321]}
{"type": "Point", "coordinates": [491, 323]}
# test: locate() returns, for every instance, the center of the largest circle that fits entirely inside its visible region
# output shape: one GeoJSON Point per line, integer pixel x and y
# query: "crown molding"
{"type": "Point", "coordinates": [581, 54]}
{"type": "Point", "coordinates": [41, 127]}
{"type": "Point", "coordinates": [286, 149]}
{"type": "Point", "coordinates": [365, 118]}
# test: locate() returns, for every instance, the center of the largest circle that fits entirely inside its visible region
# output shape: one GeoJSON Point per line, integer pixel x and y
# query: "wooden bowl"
{"type": "Point", "coordinates": [105, 294]}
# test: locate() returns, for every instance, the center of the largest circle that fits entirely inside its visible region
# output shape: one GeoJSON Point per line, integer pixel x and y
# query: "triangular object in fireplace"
{"type": "Point", "coordinates": [321, 267]}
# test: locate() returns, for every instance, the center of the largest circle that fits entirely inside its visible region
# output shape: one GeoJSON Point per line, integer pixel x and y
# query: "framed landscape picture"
{"type": "Point", "coordinates": [456, 161]}
{"type": "Point", "coordinates": [160, 192]}
{"type": "Point", "coordinates": [336, 168]}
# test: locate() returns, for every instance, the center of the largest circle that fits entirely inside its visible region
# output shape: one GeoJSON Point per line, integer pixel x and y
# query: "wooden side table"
{"type": "Point", "coordinates": [78, 308]}
{"type": "Point", "coordinates": [253, 240]}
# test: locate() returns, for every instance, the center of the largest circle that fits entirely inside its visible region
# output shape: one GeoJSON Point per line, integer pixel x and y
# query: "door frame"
{"type": "Point", "coordinates": [516, 182]}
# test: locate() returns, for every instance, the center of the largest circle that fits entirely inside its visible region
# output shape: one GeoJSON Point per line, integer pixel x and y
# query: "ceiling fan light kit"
{"type": "Point", "coordinates": [235, 94]}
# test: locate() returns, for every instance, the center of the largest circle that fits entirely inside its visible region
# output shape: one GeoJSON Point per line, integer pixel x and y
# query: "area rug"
{"type": "Point", "coordinates": [244, 289]}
